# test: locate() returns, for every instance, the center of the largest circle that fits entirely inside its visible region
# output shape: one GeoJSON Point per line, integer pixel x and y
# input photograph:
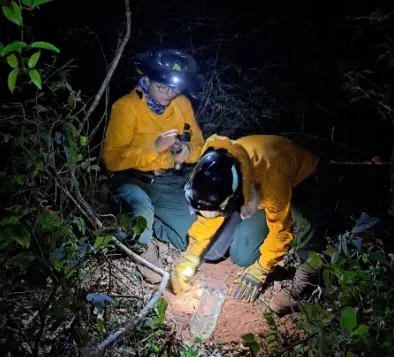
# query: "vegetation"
{"type": "Point", "coordinates": [64, 288]}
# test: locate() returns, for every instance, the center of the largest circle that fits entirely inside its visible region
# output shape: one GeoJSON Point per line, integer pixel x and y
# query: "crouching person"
{"type": "Point", "coordinates": [141, 149]}
{"type": "Point", "coordinates": [271, 182]}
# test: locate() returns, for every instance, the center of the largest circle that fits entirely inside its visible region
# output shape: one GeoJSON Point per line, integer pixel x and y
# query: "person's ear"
{"type": "Point", "coordinates": [147, 81]}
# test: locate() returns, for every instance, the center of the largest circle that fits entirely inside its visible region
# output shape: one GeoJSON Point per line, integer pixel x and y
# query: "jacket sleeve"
{"type": "Point", "coordinates": [201, 234]}
{"type": "Point", "coordinates": [276, 199]}
{"type": "Point", "coordinates": [120, 151]}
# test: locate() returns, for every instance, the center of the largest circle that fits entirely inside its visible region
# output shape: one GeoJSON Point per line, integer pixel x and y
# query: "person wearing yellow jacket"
{"type": "Point", "coordinates": [152, 130]}
{"type": "Point", "coordinates": [271, 182]}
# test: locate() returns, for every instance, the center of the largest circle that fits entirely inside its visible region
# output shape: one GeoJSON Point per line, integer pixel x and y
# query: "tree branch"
{"type": "Point", "coordinates": [112, 68]}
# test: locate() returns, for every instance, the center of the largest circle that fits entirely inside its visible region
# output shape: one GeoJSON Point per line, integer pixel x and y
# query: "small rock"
{"type": "Point", "coordinates": [243, 348]}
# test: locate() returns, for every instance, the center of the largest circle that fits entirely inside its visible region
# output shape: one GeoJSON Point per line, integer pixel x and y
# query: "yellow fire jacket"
{"type": "Point", "coordinates": [133, 129]}
{"type": "Point", "coordinates": [275, 166]}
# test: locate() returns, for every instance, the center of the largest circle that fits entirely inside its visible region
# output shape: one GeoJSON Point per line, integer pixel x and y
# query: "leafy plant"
{"type": "Point", "coordinates": [354, 314]}
{"type": "Point", "coordinates": [21, 56]}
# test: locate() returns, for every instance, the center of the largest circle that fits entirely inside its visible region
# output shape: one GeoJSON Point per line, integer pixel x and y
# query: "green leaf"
{"type": "Point", "coordinates": [6, 138]}
{"type": "Point", "coordinates": [14, 46]}
{"type": "Point", "coordinates": [34, 59]}
{"type": "Point", "coordinates": [9, 220]}
{"type": "Point", "coordinates": [378, 257]}
{"type": "Point", "coordinates": [100, 327]}
{"type": "Point", "coordinates": [13, 13]}
{"type": "Point", "coordinates": [83, 140]}
{"type": "Point", "coordinates": [79, 221]}
{"type": "Point", "coordinates": [314, 260]}
{"type": "Point", "coordinates": [330, 251]}
{"type": "Point", "coordinates": [347, 277]}
{"type": "Point", "coordinates": [45, 46]}
{"type": "Point", "coordinates": [102, 241]}
{"type": "Point", "coordinates": [40, 2]}
{"type": "Point", "coordinates": [35, 78]}
{"type": "Point", "coordinates": [250, 341]}
{"type": "Point", "coordinates": [139, 225]}
{"type": "Point", "coordinates": [161, 309]}
{"type": "Point", "coordinates": [78, 157]}
{"type": "Point", "coordinates": [348, 319]}
{"type": "Point", "coordinates": [249, 338]}
{"type": "Point", "coordinates": [125, 222]}
{"type": "Point", "coordinates": [28, 3]}
{"type": "Point", "coordinates": [360, 331]}
{"type": "Point", "coordinates": [293, 243]}
{"type": "Point", "coordinates": [12, 61]}
{"type": "Point", "coordinates": [329, 277]}
{"type": "Point", "coordinates": [19, 234]}
{"type": "Point", "coordinates": [49, 221]}
{"type": "Point", "coordinates": [19, 179]}
{"type": "Point", "coordinates": [5, 237]}
{"type": "Point", "coordinates": [12, 80]}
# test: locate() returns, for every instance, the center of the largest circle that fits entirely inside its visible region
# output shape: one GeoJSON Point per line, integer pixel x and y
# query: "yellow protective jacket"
{"type": "Point", "coordinates": [133, 129]}
{"type": "Point", "coordinates": [275, 165]}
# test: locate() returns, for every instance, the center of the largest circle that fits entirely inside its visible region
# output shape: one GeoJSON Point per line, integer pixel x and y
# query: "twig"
{"type": "Point", "coordinates": [150, 305]}
{"type": "Point", "coordinates": [112, 68]}
{"type": "Point", "coordinates": [287, 349]}
{"type": "Point", "coordinates": [43, 318]}
{"type": "Point", "coordinates": [167, 341]}
{"type": "Point", "coordinates": [67, 192]}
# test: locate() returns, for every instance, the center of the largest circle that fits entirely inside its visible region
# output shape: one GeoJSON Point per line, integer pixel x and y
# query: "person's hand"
{"type": "Point", "coordinates": [183, 271]}
{"type": "Point", "coordinates": [248, 209]}
{"type": "Point", "coordinates": [183, 155]}
{"type": "Point", "coordinates": [165, 140]}
{"type": "Point", "coordinates": [250, 285]}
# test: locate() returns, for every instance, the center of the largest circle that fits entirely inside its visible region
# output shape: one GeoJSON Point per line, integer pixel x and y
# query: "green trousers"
{"type": "Point", "coordinates": [310, 214]}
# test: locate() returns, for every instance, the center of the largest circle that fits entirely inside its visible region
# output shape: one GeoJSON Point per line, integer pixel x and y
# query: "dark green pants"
{"type": "Point", "coordinates": [310, 214]}
{"type": "Point", "coordinates": [162, 203]}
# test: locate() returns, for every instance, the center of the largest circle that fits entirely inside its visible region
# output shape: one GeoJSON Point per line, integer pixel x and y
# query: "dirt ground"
{"type": "Point", "coordinates": [236, 318]}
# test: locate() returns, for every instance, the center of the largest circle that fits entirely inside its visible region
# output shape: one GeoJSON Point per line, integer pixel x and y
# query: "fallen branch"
{"type": "Point", "coordinates": [71, 197]}
{"type": "Point", "coordinates": [131, 323]}
{"type": "Point", "coordinates": [112, 68]}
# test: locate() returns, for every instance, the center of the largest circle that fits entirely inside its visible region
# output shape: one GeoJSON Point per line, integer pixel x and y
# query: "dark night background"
{"type": "Point", "coordinates": [298, 58]}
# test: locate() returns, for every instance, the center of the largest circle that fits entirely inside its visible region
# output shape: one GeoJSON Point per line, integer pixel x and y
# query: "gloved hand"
{"type": "Point", "coordinates": [250, 285]}
{"type": "Point", "coordinates": [184, 270]}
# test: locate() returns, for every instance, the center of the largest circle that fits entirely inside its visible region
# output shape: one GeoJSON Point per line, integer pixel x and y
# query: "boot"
{"type": "Point", "coordinates": [286, 301]}
{"type": "Point", "coordinates": [152, 255]}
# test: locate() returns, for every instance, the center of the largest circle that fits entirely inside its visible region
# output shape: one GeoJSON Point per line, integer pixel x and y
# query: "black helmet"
{"type": "Point", "coordinates": [216, 183]}
{"type": "Point", "coordinates": [172, 67]}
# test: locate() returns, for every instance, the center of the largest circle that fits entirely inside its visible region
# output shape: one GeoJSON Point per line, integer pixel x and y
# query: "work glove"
{"type": "Point", "coordinates": [183, 271]}
{"type": "Point", "coordinates": [250, 284]}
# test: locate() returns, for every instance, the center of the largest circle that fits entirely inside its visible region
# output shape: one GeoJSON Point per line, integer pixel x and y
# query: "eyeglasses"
{"type": "Point", "coordinates": [162, 88]}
